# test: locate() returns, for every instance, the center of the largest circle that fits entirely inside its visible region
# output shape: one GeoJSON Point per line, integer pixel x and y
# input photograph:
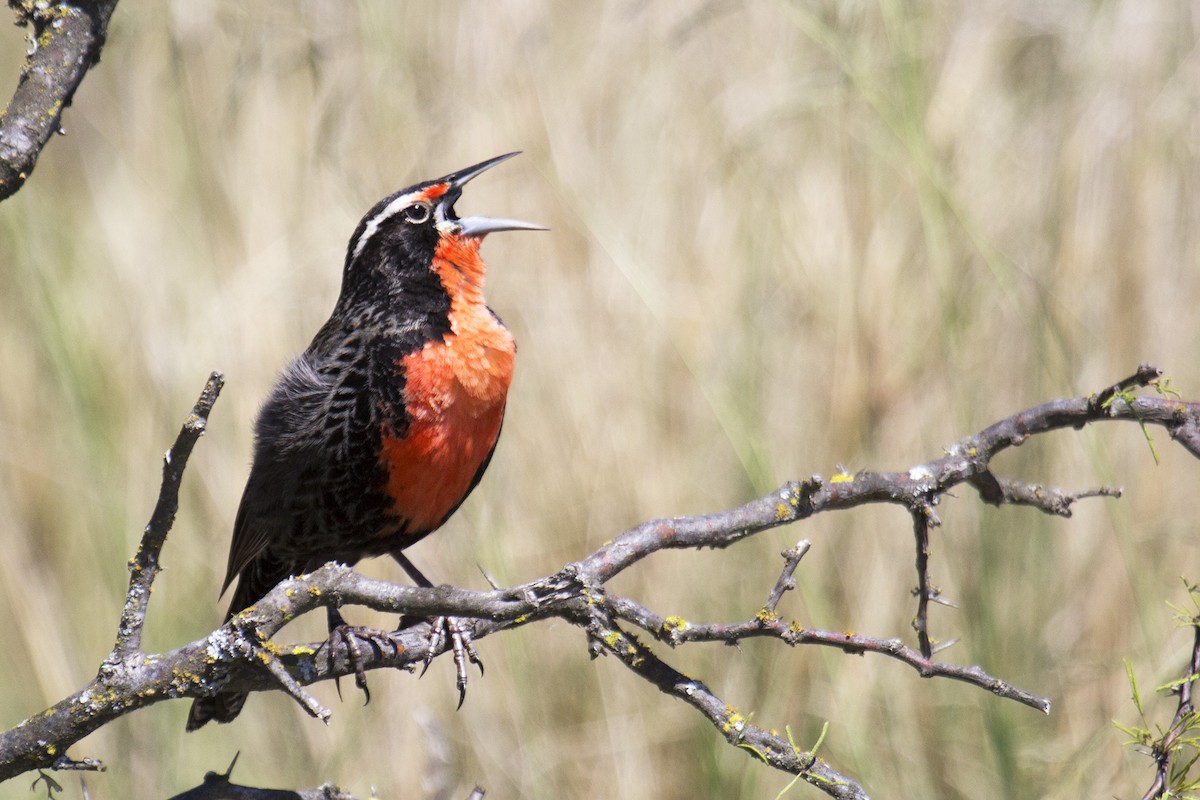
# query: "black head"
{"type": "Point", "coordinates": [394, 243]}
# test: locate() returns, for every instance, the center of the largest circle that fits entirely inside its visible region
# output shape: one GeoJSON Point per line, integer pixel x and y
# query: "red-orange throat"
{"type": "Point", "coordinates": [455, 391]}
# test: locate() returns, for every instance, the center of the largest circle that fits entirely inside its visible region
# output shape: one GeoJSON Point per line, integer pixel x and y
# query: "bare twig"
{"type": "Point", "coordinates": [143, 567]}
{"type": "Point", "coordinates": [786, 582]}
{"type": "Point", "coordinates": [1050, 499]}
{"type": "Point", "coordinates": [65, 42]}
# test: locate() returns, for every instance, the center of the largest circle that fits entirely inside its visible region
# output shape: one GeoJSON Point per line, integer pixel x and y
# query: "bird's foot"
{"type": "Point", "coordinates": [458, 630]}
{"type": "Point", "coordinates": [344, 641]}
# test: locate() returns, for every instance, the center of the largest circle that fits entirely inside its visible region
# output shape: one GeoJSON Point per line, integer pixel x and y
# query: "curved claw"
{"type": "Point", "coordinates": [462, 646]}
{"type": "Point", "coordinates": [345, 638]}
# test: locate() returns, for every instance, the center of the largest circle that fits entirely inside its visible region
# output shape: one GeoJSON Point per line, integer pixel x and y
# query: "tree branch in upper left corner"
{"type": "Point", "coordinates": [65, 42]}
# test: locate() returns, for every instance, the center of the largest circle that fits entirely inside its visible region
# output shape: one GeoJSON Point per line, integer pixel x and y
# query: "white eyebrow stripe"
{"type": "Point", "coordinates": [390, 210]}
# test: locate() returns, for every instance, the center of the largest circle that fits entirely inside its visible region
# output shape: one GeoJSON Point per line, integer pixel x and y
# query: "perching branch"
{"type": "Point", "coordinates": [242, 654]}
{"type": "Point", "coordinates": [65, 42]}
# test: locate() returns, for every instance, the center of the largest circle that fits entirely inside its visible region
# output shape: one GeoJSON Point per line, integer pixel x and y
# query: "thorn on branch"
{"type": "Point", "coordinates": [935, 596]}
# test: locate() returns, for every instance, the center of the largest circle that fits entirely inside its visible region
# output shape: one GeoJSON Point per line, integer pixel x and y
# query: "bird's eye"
{"type": "Point", "coordinates": [417, 213]}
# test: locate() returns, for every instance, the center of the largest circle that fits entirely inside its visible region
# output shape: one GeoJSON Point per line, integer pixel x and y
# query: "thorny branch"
{"type": "Point", "coordinates": [218, 786]}
{"type": "Point", "coordinates": [66, 37]}
{"type": "Point", "coordinates": [234, 655]}
{"type": "Point", "coordinates": [923, 518]}
{"type": "Point", "coordinates": [1166, 751]}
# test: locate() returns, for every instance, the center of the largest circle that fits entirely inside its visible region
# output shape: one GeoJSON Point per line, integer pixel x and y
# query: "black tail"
{"type": "Point", "coordinates": [256, 579]}
{"type": "Point", "coordinates": [223, 707]}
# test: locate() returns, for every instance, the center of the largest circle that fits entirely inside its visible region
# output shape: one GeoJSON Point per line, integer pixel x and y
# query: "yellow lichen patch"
{"type": "Point", "coordinates": [622, 646]}
{"type": "Point", "coordinates": [314, 591]}
{"type": "Point", "coordinates": [734, 721]}
{"type": "Point", "coordinates": [521, 620]}
{"type": "Point", "coordinates": [766, 616]}
{"type": "Point", "coordinates": [842, 477]}
{"type": "Point", "coordinates": [796, 627]}
{"type": "Point", "coordinates": [303, 650]}
{"type": "Point", "coordinates": [672, 624]}
{"type": "Point", "coordinates": [181, 676]}
{"type": "Point", "coordinates": [782, 511]}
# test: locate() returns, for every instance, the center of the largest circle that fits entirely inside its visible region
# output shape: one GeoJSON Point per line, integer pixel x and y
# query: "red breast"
{"type": "Point", "coordinates": [455, 390]}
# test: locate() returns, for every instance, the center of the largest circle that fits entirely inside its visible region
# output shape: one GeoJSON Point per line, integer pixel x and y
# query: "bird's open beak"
{"type": "Point", "coordinates": [478, 226]}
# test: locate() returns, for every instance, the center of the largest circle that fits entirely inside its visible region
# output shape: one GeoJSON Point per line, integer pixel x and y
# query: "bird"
{"type": "Point", "coordinates": [374, 435]}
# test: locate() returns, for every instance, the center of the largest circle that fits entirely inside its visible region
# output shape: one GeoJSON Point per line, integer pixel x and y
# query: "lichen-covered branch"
{"type": "Point", "coordinates": [66, 37]}
{"type": "Point", "coordinates": [243, 654]}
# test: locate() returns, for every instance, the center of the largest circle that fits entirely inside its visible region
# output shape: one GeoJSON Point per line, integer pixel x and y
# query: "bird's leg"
{"type": "Point", "coordinates": [345, 638]}
{"type": "Point", "coordinates": [459, 631]}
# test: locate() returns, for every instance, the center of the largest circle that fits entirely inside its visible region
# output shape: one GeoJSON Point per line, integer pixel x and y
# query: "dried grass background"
{"type": "Point", "coordinates": [786, 236]}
